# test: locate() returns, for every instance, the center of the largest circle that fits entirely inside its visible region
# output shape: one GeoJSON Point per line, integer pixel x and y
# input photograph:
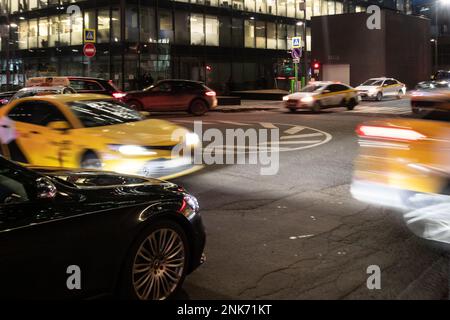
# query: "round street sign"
{"type": "Point", "coordinates": [89, 50]}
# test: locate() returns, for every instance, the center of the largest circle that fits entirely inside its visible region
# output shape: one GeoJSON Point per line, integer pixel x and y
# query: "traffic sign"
{"type": "Point", "coordinates": [296, 42]}
{"type": "Point", "coordinates": [89, 50]}
{"type": "Point", "coordinates": [90, 36]}
{"type": "Point", "coordinates": [296, 53]}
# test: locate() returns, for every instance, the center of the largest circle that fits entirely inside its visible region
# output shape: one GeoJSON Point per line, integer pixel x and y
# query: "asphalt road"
{"type": "Point", "coordinates": [299, 234]}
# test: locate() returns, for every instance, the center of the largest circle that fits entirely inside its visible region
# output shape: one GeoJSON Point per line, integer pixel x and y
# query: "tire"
{"type": "Point", "coordinates": [136, 105]}
{"type": "Point", "coordinates": [90, 161]}
{"type": "Point", "coordinates": [316, 107]}
{"type": "Point", "coordinates": [399, 95]}
{"type": "Point", "coordinates": [351, 104]}
{"type": "Point", "coordinates": [142, 284]}
{"type": "Point", "coordinates": [379, 96]}
{"type": "Point", "coordinates": [292, 110]}
{"type": "Point", "coordinates": [198, 107]}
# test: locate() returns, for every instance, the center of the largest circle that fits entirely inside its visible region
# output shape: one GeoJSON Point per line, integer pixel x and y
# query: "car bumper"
{"type": "Point", "coordinates": [297, 104]}
{"type": "Point", "coordinates": [198, 256]}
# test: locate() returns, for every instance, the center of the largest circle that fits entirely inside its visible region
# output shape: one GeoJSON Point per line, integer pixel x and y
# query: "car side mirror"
{"type": "Point", "coordinates": [59, 125]}
{"type": "Point", "coordinates": [45, 189]}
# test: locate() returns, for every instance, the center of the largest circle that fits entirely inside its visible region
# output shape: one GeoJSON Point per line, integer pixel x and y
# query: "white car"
{"type": "Point", "coordinates": [321, 94]}
{"type": "Point", "coordinates": [377, 88]}
{"type": "Point", "coordinates": [40, 91]}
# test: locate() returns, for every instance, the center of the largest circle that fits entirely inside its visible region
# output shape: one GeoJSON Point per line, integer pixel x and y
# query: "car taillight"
{"type": "Point", "coordinates": [118, 95]}
{"type": "Point", "coordinates": [210, 93]}
{"type": "Point", "coordinates": [393, 133]}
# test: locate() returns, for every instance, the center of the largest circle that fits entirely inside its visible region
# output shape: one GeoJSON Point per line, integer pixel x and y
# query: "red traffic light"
{"type": "Point", "coordinates": [316, 65]}
{"type": "Point", "coordinates": [208, 68]}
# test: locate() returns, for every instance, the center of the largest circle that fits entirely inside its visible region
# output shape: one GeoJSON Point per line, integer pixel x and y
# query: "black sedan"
{"type": "Point", "coordinates": [78, 234]}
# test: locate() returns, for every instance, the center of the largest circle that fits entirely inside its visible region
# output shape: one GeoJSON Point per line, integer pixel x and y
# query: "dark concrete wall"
{"type": "Point", "coordinates": [400, 49]}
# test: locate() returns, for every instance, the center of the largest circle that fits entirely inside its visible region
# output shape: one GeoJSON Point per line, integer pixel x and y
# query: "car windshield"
{"type": "Point", "coordinates": [372, 82]}
{"type": "Point", "coordinates": [312, 87]}
{"type": "Point", "coordinates": [97, 113]}
{"type": "Point", "coordinates": [32, 93]}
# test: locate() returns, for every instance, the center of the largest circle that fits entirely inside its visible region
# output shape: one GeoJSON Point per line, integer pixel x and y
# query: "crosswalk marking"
{"type": "Point", "coordinates": [294, 130]}
{"type": "Point", "coordinates": [307, 135]}
{"type": "Point", "coordinates": [385, 110]}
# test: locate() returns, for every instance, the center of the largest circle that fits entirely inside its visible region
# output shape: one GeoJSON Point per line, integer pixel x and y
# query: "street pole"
{"type": "Point", "coordinates": [305, 51]}
{"type": "Point", "coordinates": [296, 76]}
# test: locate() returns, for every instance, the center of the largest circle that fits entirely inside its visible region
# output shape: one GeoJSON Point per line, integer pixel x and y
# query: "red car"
{"type": "Point", "coordinates": [173, 95]}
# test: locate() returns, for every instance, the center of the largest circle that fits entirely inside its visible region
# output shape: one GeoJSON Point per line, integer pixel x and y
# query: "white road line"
{"type": "Point", "coordinates": [192, 121]}
{"type": "Point", "coordinates": [294, 130]}
{"type": "Point", "coordinates": [234, 123]}
{"type": "Point", "coordinates": [301, 136]}
{"type": "Point", "coordinates": [268, 125]}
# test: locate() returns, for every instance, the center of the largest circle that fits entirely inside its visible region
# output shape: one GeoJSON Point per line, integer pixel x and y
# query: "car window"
{"type": "Point", "coordinates": [68, 90]}
{"type": "Point", "coordinates": [162, 87]}
{"type": "Point", "coordinates": [336, 88]}
{"type": "Point", "coordinates": [96, 113]}
{"type": "Point", "coordinates": [372, 82]}
{"type": "Point", "coordinates": [87, 85]}
{"type": "Point", "coordinates": [389, 82]}
{"type": "Point", "coordinates": [12, 189]}
{"type": "Point", "coordinates": [311, 88]}
{"type": "Point", "coordinates": [36, 112]}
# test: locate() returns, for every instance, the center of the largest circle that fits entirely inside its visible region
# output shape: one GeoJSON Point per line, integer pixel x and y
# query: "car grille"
{"type": "Point", "coordinates": [158, 168]}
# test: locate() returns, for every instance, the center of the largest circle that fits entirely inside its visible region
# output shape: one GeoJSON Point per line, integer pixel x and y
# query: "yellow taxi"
{"type": "Point", "coordinates": [403, 163]}
{"type": "Point", "coordinates": [93, 131]}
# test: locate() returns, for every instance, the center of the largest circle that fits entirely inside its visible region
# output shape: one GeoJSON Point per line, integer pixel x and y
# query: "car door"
{"type": "Point", "coordinates": [390, 87]}
{"type": "Point", "coordinates": [158, 97]}
{"type": "Point", "coordinates": [334, 97]}
{"type": "Point", "coordinates": [30, 139]}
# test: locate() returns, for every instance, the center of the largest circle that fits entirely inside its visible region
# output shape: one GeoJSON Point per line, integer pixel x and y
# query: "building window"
{"type": "Point", "coordinates": [225, 3]}
{"type": "Point", "coordinates": [165, 26]}
{"type": "Point", "coordinates": [197, 30]}
{"type": "Point", "coordinates": [23, 35]}
{"type": "Point", "coordinates": [33, 34]}
{"type": "Point", "coordinates": [261, 6]}
{"type": "Point", "coordinates": [339, 7]}
{"type": "Point", "coordinates": [116, 34]}
{"type": "Point", "coordinates": [76, 24]}
{"type": "Point", "coordinates": [64, 30]}
{"type": "Point", "coordinates": [290, 35]}
{"type": "Point", "coordinates": [182, 33]}
{"type": "Point", "coordinates": [43, 33]}
{"type": "Point", "coordinates": [316, 7]}
{"type": "Point", "coordinates": [89, 19]}
{"type": "Point", "coordinates": [238, 4]}
{"type": "Point", "coordinates": [225, 31]}
{"type": "Point", "coordinates": [271, 7]}
{"type": "Point", "coordinates": [53, 37]}
{"type": "Point", "coordinates": [331, 7]}
{"type": "Point", "coordinates": [250, 5]}
{"type": "Point", "coordinates": [291, 8]}
{"type": "Point", "coordinates": [260, 33]}
{"type": "Point", "coordinates": [281, 7]}
{"type": "Point", "coordinates": [308, 9]}
{"type": "Point", "coordinates": [237, 32]}
{"type": "Point", "coordinates": [271, 36]}
{"type": "Point", "coordinates": [132, 24]}
{"type": "Point", "coordinates": [212, 30]}
{"type": "Point", "coordinates": [281, 35]}
{"type": "Point", "coordinates": [299, 8]}
{"type": "Point", "coordinates": [249, 29]}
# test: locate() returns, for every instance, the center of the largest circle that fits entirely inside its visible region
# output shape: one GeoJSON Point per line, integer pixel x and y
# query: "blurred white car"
{"type": "Point", "coordinates": [377, 88]}
{"type": "Point", "coordinates": [41, 91]}
{"type": "Point", "coordinates": [321, 94]}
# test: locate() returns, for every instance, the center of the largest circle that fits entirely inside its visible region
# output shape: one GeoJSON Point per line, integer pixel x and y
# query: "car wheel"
{"type": "Point", "coordinates": [316, 107]}
{"type": "Point", "coordinates": [351, 104]}
{"type": "Point", "coordinates": [198, 107]}
{"type": "Point", "coordinates": [90, 161]}
{"type": "Point", "coordinates": [399, 94]}
{"type": "Point", "coordinates": [136, 105]}
{"type": "Point", "coordinates": [292, 110]}
{"type": "Point", "coordinates": [157, 263]}
{"type": "Point", "coordinates": [379, 96]}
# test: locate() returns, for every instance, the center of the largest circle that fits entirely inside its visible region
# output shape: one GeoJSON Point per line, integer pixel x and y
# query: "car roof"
{"type": "Point", "coordinates": [324, 83]}
{"type": "Point", "coordinates": [43, 88]}
{"type": "Point", "coordinates": [85, 78]}
{"type": "Point", "coordinates": [65, 98]}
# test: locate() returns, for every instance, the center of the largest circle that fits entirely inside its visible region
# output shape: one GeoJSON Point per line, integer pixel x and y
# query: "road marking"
{"type": "Point", "coordinates": [234, 123]}
{"type": "Point", "coordinates": [268, 125]}
{"type": "Point", "coordinates": [294, 130]}
{"type": "Point", "coordinates": [306, 135]}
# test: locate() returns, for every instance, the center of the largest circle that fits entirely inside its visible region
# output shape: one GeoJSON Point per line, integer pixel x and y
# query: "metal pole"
{"type": "Point", "coordinates": [436, 55]}
{"type": "Point", "coordinates": [305, 51]}
{"type": "Point", "coordinates": [296, 77]}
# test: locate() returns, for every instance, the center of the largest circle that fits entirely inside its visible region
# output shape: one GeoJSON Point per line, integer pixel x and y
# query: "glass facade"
{"type": "Point", "coordinates": [174, 39]}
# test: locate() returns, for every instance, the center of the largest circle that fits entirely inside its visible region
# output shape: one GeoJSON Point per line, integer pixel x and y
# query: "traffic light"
{"type": "Point", "coordinates": [208, 68]}
{"type": "Point", "coordinates": [316, 65]}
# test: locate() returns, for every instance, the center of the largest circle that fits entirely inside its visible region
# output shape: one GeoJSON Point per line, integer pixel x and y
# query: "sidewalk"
{"type": "Point", "coordinates": [251, 105]}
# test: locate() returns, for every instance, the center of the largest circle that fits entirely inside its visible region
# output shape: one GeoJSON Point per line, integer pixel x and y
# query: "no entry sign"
{"type": "Point", "coordinates": [89, 50]}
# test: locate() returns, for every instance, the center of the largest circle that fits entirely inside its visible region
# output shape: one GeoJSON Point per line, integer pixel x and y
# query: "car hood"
{"type": "Point", "coordinates": [299, 95]}
{"type": "Point", "coordinates": [150, 132]}
{"type": "Point", "coordinates": [366, 87]}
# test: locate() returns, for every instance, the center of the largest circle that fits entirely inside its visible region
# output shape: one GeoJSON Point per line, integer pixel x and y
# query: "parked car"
{"type": "Point", "coordinates": [322, 94]}
{"type": "Point", "coordinates": [431, 96]}
{"type": "Point", "coordinates": [441, 75]}
{"type": "Point", "coordinates": [94, 131]}
{"type": "Point", "coordinates": [41, 91]}
{"type": "Point", "coordinates": [80, 84]}
{"type": "Point", "coordinates": [128, 236]}
{"type": "Point", "coordinates": [377, 88]}
{"type": "Point", "coordinates": [173, 95]}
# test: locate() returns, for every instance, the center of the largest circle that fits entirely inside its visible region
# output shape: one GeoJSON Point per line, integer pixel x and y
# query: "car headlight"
{"type": "Point", "coordinates": [131, 150]}
{"type": "Point", "coordinates": [191, 139]}
{"type": "Point", "coordinates": [285, 98]}
{"type": "Point", "coordinates": [189, 206]}
{"type": "Point", "coordinates": [307, 99]}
